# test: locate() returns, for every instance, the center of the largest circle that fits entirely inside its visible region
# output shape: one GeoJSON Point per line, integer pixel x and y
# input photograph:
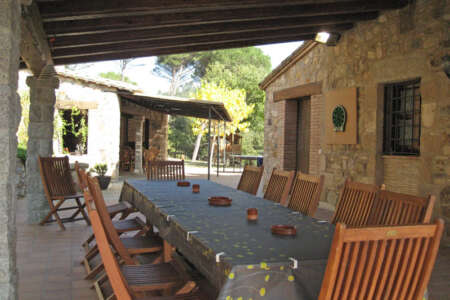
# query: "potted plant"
{"type": "Point", "coordinates": [103, 180]}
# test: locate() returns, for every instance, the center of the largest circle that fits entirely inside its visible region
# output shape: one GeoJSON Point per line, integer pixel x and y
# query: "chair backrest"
{"type": "Point", "coordinates": [381, 262]}
{"type": "Point", "coordinates": [306, 192]}
{"type": "Point", "coordinates": [355, 203]}
{"type": "Point", "coordinates": [113, 237]}
{"type": "Point", "coordinates": [279, 186]}
{"type": "Point", "coordinates": [401, 209]}
{"type": "Point", "coordinates": [82, 180]}
{"type": "Point", "coordinates": [117, 281]}
{"type": "Point", "coordinates": [250, 179]}
{"type": "Point", "coordinates": [165, 170]}
{"type": "Point", "coordinates": [55, 175]}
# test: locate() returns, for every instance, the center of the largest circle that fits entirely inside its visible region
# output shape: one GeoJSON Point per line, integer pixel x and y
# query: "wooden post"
{"type": "Point", "coordinates": [209, 144]}
{"type": "Point", "coordinates": [224, 145]}
{"type": "Point", "coordinates": [218, 146]}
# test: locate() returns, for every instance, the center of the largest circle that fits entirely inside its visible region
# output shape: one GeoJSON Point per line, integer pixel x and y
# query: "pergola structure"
{"type": "Point", "coordinates": [88, 30]}
{"type": "Point", "coordinates": [39, 34]}
{"type": "Point", "coordinates": [210, 110]}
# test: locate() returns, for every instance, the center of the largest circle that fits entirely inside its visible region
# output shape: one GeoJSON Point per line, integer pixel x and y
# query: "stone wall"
{"type": "Point", "coordinates": [103, 107]}
{"type": "Point", "coordinates": [9, 122]}
{"type": "Point", "coordinates": [104, 133]}
{"type": "Point", "coordinates": [399, 45]}
{"type": "Point", "coordinates": [158, 126]}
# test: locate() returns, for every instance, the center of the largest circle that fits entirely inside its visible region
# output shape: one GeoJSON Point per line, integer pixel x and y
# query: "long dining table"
{"type": "Point", "coordinates": [242, 259]}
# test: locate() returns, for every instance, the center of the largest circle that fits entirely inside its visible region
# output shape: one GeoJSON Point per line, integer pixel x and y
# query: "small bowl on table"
{"type": "Point", "coordinates": [219, 201]}
{"type": "Point", "coordinates": [287, 230]}
{"type": "Point", "coordinates": [183, 183]}
{"type": "Point", "coordinates": [196, 188]}
{"type": "Point", "coordinates": [252, 214]}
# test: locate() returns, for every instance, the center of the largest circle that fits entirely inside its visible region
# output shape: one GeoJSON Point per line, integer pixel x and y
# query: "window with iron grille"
{"type": "Point", "coordinates": [402, 103]}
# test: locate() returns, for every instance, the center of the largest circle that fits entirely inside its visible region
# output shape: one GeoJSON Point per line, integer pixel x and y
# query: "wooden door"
{"type": "Point", "coordinates": [303, 134]}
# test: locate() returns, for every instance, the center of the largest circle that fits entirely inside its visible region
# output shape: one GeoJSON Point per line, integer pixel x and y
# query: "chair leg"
{"type": "Point", "coordinates": [82, 211]}
{"type": "Point", "coordinates": [93, 272]}
{"type": "Point", "coordinates": [54, 212]}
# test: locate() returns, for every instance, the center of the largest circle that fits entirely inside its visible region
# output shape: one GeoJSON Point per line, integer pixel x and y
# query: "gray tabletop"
{"type": "Point", "coordinates": [249, 248]}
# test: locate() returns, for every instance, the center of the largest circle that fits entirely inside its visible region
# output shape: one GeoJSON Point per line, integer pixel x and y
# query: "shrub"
{"type": "Point", "coordinates": [22, 153]}
{"type": "Point", "coordinates": [100, 169]}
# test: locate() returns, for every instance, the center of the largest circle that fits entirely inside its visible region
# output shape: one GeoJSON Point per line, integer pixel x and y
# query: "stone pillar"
{"type": "Point", "coordinates": [139, 125]}
{"type": "Point", "coordinates": [9, 122]}
{"type": "Point", "coordinates": [40, 136]}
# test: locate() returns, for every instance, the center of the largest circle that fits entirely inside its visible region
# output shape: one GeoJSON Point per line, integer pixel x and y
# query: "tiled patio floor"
{"type": "Point", "coordinates": [49, 266]}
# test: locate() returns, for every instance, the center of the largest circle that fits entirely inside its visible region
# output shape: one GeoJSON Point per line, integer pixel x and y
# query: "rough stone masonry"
{"type": "Point", "coordinates": [9, 122]}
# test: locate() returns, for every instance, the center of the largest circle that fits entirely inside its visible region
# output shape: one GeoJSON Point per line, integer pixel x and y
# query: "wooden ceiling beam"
{"type": "Point", "coordinates": [176, 50]}
{"type": "Point", "coordinates": [191, 31]}
{"type": "Point", "coordinates": [149, 19]}
{"type": "Point", "coordinates": [169, 41]}
{"type": "Point", "coordinates": [82, 9]}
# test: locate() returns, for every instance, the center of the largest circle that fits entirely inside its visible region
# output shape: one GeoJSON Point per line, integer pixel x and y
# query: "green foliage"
{"type": "Point", "coordinates": [181, 137]}
{"type": "Point", "coordinates": [241, 68]}
{"type": "Point", "coordinates": [78, 130]}
{"type": "Point", "coordinates": [22, 132]}
{"type": "Point", "coordinates": [179, 69]}
{"type": "Point", "coordinates": [234, 101]}
{"type": "Point", "coordinates": [234, 69]}
{"type": "Point", "coordinates": [100, 169]}
{"type": "Point", "coordinates": [77, 126]}
{"type": "Point", "coordinates": [22, 153]}
{"type": "Point", "coordinates": [117, 76]}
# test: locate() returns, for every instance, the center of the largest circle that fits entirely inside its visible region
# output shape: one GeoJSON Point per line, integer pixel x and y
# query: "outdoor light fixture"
{"type": "Point", "coordinates": [327, 38]}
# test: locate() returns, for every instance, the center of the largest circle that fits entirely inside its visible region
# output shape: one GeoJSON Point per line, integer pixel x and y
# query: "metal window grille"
{"type": "Point", "coordinates": [402, 104]}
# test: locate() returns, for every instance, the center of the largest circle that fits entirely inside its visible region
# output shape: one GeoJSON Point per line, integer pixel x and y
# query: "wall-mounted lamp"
{"type": "Point", "coordinates": [327, 38]}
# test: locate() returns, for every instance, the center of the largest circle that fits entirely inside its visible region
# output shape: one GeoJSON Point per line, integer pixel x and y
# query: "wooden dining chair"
{"type": "Point", "coordinates": [113, 209]}
{"type": "Point", "coordinates": [126, 247]}
{"type": "Point", "coordinates": [381, 262]}
{"type": "Point", "coordinates": [400, 209]}
{"type": "Point", "coordinates": [59, 187]}
{"type": "Point", "coordinates": [121, 284]}
{"type": "Point", "coordinates": [355, 203]}
{"type": "Point", "coordinates": [279, 186]}
{"type": "Point", "coordinates": [121, 226]}
{"type": "Point", "coordinates": [306, 192]}
{"type": "Point", "coordinates": [250, 179]}
{"type": "Point", "coordinates": [165, 170]}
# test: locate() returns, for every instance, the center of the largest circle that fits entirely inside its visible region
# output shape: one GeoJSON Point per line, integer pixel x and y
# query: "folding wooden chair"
{"type": "Point", "coordinates": [59, 186]}
{"type": "Point", "coordinates": [122, 284]}
{"type": "Point", "coordinates": [279, 186]}
{"type": "Point", "coordinates": [165, 170]}
{"type": "Point", "coordinates": [121, 226]}
{"type": "Point", "coordinates": [381, 262]}
{"type": "Point", "coordinates": [355, 203]}
{"type": "Point", "coordinates": [126, 247]}
{"type": "Point", "coordinates": [250, 179]}
{"type": "Point", "coordinates": [113, 209]}
{"type": "Point", "coordinates": [400, 209]}
{"type": "Point", "coordinates": [306, 192]}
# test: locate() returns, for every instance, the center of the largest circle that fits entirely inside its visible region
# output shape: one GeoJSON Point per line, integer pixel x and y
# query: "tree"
{"type": "Point", "coordinates": [117, 76]}
{"type": "Point", "coordinates": [234, 102]}
{"type": "Point", "coordinates": [241, 68]}
{"type": "Point", "coordinates": [123, 64]}
{"type": "Point", "coordinates": [179, 69]}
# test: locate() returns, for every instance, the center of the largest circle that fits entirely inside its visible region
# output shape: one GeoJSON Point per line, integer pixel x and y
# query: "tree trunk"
{"type": "Point", "coordinates": [197, 147]}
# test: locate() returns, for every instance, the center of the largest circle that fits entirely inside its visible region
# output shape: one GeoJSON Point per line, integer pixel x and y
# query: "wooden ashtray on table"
{"type": "Point", "coordinates": [219, 201]}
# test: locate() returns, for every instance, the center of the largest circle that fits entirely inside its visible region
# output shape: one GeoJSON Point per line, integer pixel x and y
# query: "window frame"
{"type": "Point", "coordinates": [402, 118]}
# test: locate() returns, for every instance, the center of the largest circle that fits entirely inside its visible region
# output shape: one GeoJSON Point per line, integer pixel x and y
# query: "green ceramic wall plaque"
{"type": "Point", "coordinates": [339, 116]}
